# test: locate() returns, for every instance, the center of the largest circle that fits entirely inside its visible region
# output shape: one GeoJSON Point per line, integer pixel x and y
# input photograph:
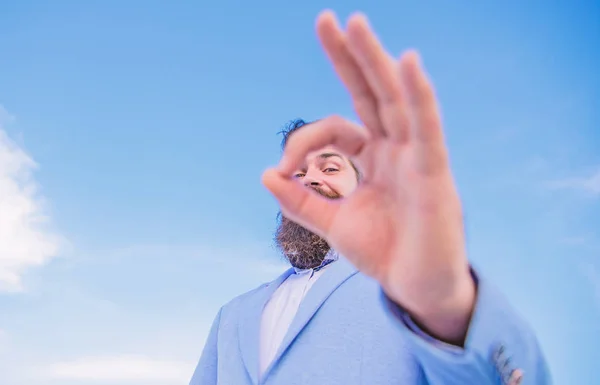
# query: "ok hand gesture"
{"type": "Point", "coordinates": [403, 225]}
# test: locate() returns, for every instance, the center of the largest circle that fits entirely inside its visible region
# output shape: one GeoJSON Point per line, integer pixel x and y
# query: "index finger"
{"type": "Point", "coordinates": [349, 138]}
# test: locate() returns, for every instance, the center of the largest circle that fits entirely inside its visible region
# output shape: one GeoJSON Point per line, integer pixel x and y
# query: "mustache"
{"type": "Point", "coordinates": [327, 194]}
{"type": "Point", "coordinates": [332, 194]}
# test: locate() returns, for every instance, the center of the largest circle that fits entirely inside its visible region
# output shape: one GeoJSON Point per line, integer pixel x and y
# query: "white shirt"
{"type": "Point", "coordinates": [280, 310]}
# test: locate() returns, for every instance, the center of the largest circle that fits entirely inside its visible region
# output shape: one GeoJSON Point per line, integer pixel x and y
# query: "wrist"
{"type": "Point", "coordinates": [444, 316]}
{"type": "Point", "coordinates": [450, 320]}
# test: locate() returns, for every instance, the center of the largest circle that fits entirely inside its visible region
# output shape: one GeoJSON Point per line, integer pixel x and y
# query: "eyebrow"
{"type": "Point", "coordinates": [327, 155]}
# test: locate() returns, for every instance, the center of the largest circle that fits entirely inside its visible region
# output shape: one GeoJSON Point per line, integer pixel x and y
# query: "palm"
{"type": "Point", "coordinates": [402, 225]}
{"type": "Point", "coordinates": [392, 218]}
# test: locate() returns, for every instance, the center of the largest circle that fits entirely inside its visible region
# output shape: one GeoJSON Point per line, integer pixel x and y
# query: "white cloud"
{"type": "Point", "coordinates": [589, 184]}
{"type": "Point", "coordinates": [574, 240]}
{"type": "Point", "coordinates": [24, 240]}
{"type": "Point", "coordinates": [5, 116]}
{"type": "Point", "coordinates": [113, 369]}
{"type": "Point", "coordinates": [3, 339]}
{"type": "Point", "coordinates": [593, 276]}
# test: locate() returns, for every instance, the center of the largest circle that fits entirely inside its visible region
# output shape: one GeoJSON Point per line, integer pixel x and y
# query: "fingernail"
{"type": "Point", "coordinates": [283, 165]}
{"type": "Point", "coordinates": [416, 58]}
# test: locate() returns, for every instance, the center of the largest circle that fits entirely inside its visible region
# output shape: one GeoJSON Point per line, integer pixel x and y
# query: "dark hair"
{"type": "Point", "coordinates": [291, 127]}
{"type": "Point", "coordinates": [294, 125]}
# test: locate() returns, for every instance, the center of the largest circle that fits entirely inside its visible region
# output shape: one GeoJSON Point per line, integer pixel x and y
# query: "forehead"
{"type": "Point", "coordinates": [328, 152]}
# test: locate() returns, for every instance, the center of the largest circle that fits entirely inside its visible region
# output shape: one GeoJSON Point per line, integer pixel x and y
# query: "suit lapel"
{"type": "Point", "coordinates": [332, 278]}
{"type": "Point", "coordinates": [249, 325]}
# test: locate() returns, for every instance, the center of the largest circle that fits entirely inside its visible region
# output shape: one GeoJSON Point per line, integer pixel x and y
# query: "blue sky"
{"type": "Point", "coordinates": [133, 135]}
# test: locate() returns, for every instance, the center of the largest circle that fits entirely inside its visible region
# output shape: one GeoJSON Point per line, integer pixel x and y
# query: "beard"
{"type": "Point", "coordinates": [301, 247]}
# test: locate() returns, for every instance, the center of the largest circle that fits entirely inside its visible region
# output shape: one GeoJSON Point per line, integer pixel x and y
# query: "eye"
{"type": "Point", "coordinates": [330, 169]}
{"type": "Point", "coordinates": [299, 175]}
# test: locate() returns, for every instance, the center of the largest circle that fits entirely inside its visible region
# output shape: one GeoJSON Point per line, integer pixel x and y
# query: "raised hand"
{"type": "Point", "coordinates": [403, 225]}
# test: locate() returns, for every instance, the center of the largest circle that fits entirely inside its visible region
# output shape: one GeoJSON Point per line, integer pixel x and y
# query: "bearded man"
{"type": "Point", "coordinates": [380, 290]}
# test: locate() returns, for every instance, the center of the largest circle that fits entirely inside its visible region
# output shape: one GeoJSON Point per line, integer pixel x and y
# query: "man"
{"type": "Point", "coordinates": [381, 291]}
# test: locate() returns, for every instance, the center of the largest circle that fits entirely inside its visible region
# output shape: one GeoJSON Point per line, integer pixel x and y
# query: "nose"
{"type": "Point", "coordinates": [310, 181]}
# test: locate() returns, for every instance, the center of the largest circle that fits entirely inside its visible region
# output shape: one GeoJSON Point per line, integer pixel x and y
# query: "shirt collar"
{"type": "Point", "coordinates": [330, 257]}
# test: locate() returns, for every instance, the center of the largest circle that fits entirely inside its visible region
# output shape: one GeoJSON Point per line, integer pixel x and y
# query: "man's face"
{"type": "Point", "coordinates": [330, 174]}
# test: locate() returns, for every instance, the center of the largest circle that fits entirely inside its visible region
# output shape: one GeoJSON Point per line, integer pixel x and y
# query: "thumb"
{"type": "Point", "coordinates": [301, 204]}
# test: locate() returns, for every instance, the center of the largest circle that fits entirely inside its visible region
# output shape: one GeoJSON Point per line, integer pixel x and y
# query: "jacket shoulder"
{"type": "Point", "coordinates": [241, 301]}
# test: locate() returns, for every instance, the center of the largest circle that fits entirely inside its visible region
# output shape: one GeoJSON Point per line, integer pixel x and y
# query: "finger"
{"type": "Point", "coordinates": [379, 70]}
{"type": "Point", "coordinates": [300, 204]}
{"type": "Point", "coordinates": [334, 43]}
{"type": "Point", "coordinates": [426, 127]}
{"type": "Point", "coordinates": [347, 137]}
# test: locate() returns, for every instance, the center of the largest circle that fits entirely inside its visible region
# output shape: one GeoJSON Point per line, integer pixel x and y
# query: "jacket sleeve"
{"type": "Point", "coordinates": [500, 349]}
{"type": "Point", "coordinates": [206, 370]}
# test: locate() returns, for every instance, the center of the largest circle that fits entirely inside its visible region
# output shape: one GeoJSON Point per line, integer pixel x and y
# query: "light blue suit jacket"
{"type": "Point", "coordinates": [347, 333]}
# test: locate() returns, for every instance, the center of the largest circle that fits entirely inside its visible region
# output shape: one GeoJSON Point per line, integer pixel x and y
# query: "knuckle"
{"type": "Point", "coordinates": [336, 121]}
